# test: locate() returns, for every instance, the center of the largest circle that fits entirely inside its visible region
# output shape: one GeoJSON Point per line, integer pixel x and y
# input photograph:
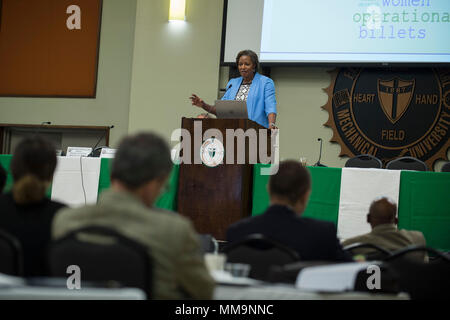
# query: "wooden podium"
{"type": "Point", "coordinates": [215, 197]}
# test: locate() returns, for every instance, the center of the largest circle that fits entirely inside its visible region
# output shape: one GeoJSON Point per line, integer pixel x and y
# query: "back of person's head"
{"type": "Point", "coordinates": [3, 177]}
{"type": "Point", "coordinates": [292, 183]}
{"type": "Point", "coordinates": [141, 158]}
{"type": "Point", "coordinates": [382, 211]}
{"type": "Point", "coordinates": [32, 167]}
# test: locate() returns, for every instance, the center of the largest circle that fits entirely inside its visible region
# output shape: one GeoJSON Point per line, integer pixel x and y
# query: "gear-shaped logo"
{"type": "Point", "coordinates": [390, 113]}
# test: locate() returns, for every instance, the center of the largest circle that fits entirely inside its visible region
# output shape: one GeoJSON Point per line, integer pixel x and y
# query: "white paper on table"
{"type": "Point", "coordinates": [67, 184]}
{"type": "Point", "coordinates": [224, 277]}
{"type": "Point", "coordinates": [359, 187]}
{"type": "Point", "coordinates": [10, 281]}
{"type": "Point", "coordinates": [108, 153]}
{"type": "Point", "coordinates": [334, 278]}
{"type": "Point", "coordinates": [78, 151]}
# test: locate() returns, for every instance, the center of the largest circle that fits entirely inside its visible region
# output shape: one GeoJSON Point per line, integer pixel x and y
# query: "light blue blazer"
{"type": "Point", "coordinates": [261, 97]}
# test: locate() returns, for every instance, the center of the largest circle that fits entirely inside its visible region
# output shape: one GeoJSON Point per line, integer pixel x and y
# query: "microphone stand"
{"type": "Point", "coordinates": [318, 164]}
{"type": "Point", "coordinates": [91, 154]}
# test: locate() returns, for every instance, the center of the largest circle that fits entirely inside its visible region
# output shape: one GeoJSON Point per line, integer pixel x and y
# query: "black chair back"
{"type": "Point", "coordinates": [364, 161]}
{"type": "Point", "coordinates": [407, 163]}
{"type": "Point", "coordinates": [110, 257]}
{"type": "Point", "coordinates": [11, 256]}
{"type": "Point", "coordinates": [422, 280]}
{"type": "Point", "coordinates": [288, 273]}
{"type": "Point", "coordinates": [208, 243]}
{"type": "Point", "coordinates": [446, 167]}
{"type": "Point", "coordinates": [261, 254]}
{"type": "Point", "coordinates": [374, 253]}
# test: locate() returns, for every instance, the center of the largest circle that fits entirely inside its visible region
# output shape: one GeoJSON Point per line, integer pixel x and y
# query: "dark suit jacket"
{"type": "Point", "coordinates": [313, 239]}
{"type": "Point", "coordinates": [31, 226]}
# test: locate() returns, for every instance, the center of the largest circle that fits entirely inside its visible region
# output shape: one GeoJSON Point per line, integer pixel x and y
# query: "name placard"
{"type": "Point", "coordinates": [108, 153]}
{"type": "Point", "coordinates": [78, 151]}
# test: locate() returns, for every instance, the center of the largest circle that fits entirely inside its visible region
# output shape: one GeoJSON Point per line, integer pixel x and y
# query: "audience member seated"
{"type": "Point", "coordinates": [25, 212]}
{"type": "Point", "coordinates": [289, 191]}
{"type": "Point", "coordinates": [139, 172]}
{"type": "Point", "coordinates": [3, 177]}
{"type": "Point", "coordinates": [383, 221]}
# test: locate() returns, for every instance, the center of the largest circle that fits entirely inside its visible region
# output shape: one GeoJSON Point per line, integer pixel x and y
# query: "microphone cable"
{"type": "Point", "coordinates": [82, 180]}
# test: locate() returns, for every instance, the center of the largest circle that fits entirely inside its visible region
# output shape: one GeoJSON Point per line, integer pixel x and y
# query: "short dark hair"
{"type": "Point", "coordinates": [253, 56]}
{"type": "Point", "coordinates": [34, 156]}
{"type": "Point", "coordinates": [141, 158]}
{"type": "Point", "coordinates": [3, 177]}
{"type": "Point", "coordinates": [292, 181]}
{"type": "Point", "coordinates": [383, 210]}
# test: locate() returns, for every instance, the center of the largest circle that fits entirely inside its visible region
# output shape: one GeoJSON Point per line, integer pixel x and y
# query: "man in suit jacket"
{"type": "Point", "coordinates": [289, 192]}
{"type": "Point", "coordinates": [139, 171]}
{"type": "Point", "coordinates": [382, 218]}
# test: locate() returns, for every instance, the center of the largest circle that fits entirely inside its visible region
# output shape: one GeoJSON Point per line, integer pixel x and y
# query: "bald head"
{"type": "Point", "coordinates": [382, 211]}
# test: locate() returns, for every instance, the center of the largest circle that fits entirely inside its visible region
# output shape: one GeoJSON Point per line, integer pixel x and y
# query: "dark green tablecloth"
{"type": "Point", "coordinates": [424, 199]}
{"type": "Point", "coordinates": [324, 201]}
{"type": "Point", "coordinates": [167, 199]}
{"type": "Point", "coordinates": [424, 204]}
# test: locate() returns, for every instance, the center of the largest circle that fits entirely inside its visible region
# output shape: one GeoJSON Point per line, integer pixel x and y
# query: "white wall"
{"type": "Point", "coordinates": [171, 61]}
{"type": "Point", "coordinates": [148, 67]}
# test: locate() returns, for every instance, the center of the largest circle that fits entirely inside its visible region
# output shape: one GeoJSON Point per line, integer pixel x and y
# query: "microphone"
{"type": "Point", "coordinates": [91, 154]}
{"type": "Point", "coordinates": [318, 164]}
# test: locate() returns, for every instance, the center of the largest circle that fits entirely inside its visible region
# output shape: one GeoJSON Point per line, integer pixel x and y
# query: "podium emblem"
{"type": "Point", "coordinates": [212, 152]}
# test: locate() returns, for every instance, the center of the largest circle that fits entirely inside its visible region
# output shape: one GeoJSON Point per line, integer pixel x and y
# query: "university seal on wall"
{"type": "Point", "coordinates": [390, 113]}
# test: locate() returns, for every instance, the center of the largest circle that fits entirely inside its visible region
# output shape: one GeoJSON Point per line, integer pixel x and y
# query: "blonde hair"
{"type": "Point", "coordinates": [29, 189]}
{"type": "Point", "coordinates": [32, 167]}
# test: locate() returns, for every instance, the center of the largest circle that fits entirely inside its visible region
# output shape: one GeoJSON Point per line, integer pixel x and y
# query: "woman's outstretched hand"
{"type": "Point", "coordinates": [196, 101]}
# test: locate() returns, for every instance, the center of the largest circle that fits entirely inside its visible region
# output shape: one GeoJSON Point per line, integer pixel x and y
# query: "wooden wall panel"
{"type": "Point", "coordinates": [41, 56]}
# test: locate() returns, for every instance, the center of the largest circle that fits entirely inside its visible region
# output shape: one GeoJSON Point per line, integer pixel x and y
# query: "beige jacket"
{"type": "Point", "coordinates": [178, 265]}
{"type": "Point", "coordinates": [388, 237]}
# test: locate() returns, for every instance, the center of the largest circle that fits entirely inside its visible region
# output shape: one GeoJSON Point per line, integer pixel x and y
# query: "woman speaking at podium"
{"type": "Point", "coordinates": [257, 90]}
